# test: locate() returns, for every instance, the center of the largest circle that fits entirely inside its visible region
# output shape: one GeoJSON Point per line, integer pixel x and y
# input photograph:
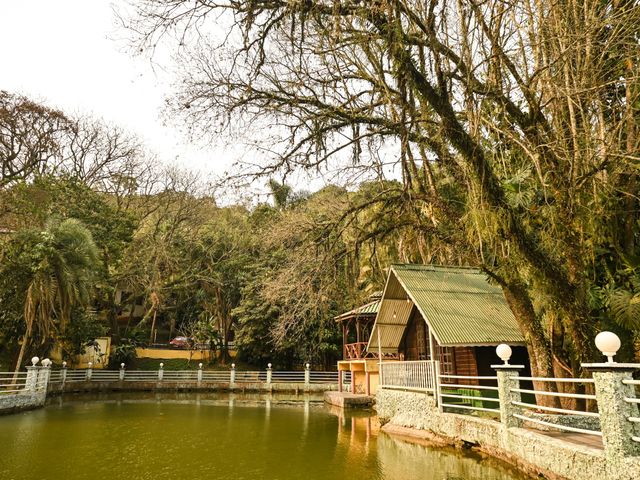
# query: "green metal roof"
{"type": "Point", "coordinates": [369, 309]}
{"type": "Point", "coordinates": [458, 303]}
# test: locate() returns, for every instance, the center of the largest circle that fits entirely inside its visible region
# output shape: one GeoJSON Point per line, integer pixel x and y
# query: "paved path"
{"type": "Point", "coordinates": [593, 441]}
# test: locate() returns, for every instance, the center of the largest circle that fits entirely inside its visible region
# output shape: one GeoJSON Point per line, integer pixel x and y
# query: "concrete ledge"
{"type": "Point", "coordinates": [348, 400]}
{"type": "Point", "coordinates": [532, 452]}
{"type": "Point", "coordinates": [21, 401]}
{"type": "Point", "coordinates": [168, 386]}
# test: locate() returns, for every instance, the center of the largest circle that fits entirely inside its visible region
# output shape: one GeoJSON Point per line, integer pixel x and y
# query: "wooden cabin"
{"type": "Point", "coordinates": [450, 314]}
{"type": "Point", "coordinates": [356, 330]}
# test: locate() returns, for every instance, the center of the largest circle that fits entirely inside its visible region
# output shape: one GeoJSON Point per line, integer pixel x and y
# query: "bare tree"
{"type": "Point", "coordinates": [514, 124]}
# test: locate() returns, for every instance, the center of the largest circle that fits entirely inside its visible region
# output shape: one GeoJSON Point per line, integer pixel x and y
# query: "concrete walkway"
{"type": "Point", "coordinates": [348, 400]}
{"type": "Point", "coordinates": [583, 439]}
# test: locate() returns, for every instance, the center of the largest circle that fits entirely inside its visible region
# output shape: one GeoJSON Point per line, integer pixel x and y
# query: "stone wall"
{"type": "Point", "coordinates": [126, 386]}
{"type": "Point", "coordinates": [21, 401]}
{"type": "Point", "coordinates": [530, 451]}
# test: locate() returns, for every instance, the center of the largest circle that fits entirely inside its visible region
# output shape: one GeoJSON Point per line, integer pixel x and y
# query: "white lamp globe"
{"type": "Point", "coordinates": [199, 365]}
{"type": "Point", "coordinates": [122, 365]}
{"type": "Point", "coordinates": [90, 364]}
{"type": "Point", "coordinates": [64, 364]}
{"type": "Point", "coordinates": [308, 365]}
{"type": "Point", "coordinates": [161, 365]}
{"type": "Point", "coordinates": [504, 352]}
{"type": "Point", "coordinates": [269, 365]}
{"type": "Point", "coordinates": [233, 365]}
{"type": "Point", "coordinates": [608, 343]}
{"type": "Point", "coordinates": [35, 360]}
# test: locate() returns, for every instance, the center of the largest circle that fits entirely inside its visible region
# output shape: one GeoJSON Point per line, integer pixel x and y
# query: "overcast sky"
{"type": "Point", "coordinates": [63, 52]}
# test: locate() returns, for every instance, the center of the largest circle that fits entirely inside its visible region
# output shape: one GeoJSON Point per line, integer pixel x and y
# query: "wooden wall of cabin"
{"type": "Point", "coordinates": [415, 341]}
{"type": "Point", "coordinates": [465, 364]}
{"type": "Point", "coordinates": [415, 346]}
{"type": "Point", "coordinates": [466, 361]}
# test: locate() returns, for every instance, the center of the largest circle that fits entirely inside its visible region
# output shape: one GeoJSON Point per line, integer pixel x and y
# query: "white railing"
{"type": "Point", "coordinates": [55, 376]}
{"type": "Point", "coordinates": [251, 377]}
{"type": "Point", "coordinates": [467, 393]}
{"type": "Point", "coordinates": [105, 375]}
{"type": "Point", "coordinates": [214, 376]}
{"type": "Point", "coordinates": [75, 376]}
{"type": "Point", "coordinates": [173, 375]}
{"type": "Point", "coordinates": [218, 376]}
{"type": "Point", "coordinates": [12, 382]}
{"type": "Point", "coordinates": [564, 411]}
{"type": "Point", "coordinates": [413, 375]}
{"type": "Point", "coordinates": [327, 377]}
{"type": "Point", "coordinates": [635, 420]}
{"type": "Point", "coordinates": [289, 377]}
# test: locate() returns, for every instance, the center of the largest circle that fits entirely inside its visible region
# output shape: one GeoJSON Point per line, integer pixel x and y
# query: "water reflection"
{"type": "Point", "coordinates": [217, 436]}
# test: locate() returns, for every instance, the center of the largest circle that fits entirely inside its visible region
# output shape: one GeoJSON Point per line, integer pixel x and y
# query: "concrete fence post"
{"type": "Point", "coordinates": [232, 376]}
{"type": "Point", "coordinates": [307, 374]}
{"type": "Point", "coordinates": [89, 372]}
{"type": "Point", "coordinates": [31, 383]}
{"type": "Point", "coordinates": [269, 372]}
{"type": "Point", "coordinates": [199, 373]}
{"type": "Point", "coordinates": [161, 372]}
{"type": "Point", "coordinates": [508, 381]}
{"type": "Point", "coordinates": [615, 426]}
{"type": "Point", "coordinates": [63, 373]}
{"type": "Point", "coordinates": [44, 375]}
{"type": "Point", "coordinates": [121, 372]}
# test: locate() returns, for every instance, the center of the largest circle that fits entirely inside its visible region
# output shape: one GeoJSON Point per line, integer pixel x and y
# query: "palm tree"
{"type": "Point", "coordinates": [65, 259]}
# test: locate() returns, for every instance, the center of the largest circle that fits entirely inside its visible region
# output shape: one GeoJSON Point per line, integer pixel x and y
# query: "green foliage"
{"type": "Point", "coordinates": [124, 352]}
{"type": "Point", "coordinates": [81, 332]}
{"type": "Point", "coordinates": [625, 308]}
{"type": "Point", "coordinates": [51, 272]}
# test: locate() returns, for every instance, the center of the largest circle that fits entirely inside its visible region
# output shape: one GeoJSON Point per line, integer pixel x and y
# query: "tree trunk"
{"type": "Point", "coordinates": [538, 347]}
{"type": "Point", "coordinates": [153, 325]}
{"type": "Point", "coordinates": [23, 348]}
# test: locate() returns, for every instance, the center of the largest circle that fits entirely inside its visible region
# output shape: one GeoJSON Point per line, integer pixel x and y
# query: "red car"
{"type": "Point", "coordinates": [181, 342]}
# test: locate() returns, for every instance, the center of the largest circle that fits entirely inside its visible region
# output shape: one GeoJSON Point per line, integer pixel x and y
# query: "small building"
{"type": "Point", "coordinates": [356, 330]}
{"type": "Point", "coordinates": [449, 314]}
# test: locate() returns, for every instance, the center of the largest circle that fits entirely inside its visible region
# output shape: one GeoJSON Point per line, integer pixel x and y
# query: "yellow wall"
{"type": "Point", "coordinates": [358, 369]}
{"type": "Point", "coordinates": [99, 359]}
{"type": "Point", "coordinates": [166, 353]}
{"type": "Point", "coordinates": [361, 379]}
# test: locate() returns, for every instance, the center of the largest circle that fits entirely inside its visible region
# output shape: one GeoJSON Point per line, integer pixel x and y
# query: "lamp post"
{"type": "Point", "coordinates": [609, 344]}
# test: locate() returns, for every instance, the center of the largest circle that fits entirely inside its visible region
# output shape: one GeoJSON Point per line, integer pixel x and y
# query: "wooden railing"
{"type": "Point", "coordinates": [355, 351]}
{"type": "Point", "coordinates": [358, 351]}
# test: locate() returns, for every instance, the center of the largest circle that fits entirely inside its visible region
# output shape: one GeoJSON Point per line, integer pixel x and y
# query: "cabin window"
{"type": "Point", "coordinates": [447, 361]}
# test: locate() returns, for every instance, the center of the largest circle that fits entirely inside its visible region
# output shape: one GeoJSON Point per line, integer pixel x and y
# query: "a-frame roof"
{"type": "Point", "coordinates": [460, 306]}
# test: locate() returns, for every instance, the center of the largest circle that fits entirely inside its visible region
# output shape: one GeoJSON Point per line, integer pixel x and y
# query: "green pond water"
{"type": "Point", "coordinates": [194, 436]}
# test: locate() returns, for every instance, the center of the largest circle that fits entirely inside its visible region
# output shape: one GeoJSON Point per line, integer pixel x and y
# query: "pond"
{"type": "Point", "coordinates": [196, 436]}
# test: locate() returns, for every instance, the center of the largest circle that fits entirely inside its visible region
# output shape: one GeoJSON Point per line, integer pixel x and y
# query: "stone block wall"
{"type": "Point", "coordinates": [21, 401]}
{"type": "Point", "coordinates": [530, 451]}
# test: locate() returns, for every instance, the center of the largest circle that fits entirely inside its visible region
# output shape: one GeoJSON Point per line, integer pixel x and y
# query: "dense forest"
{"type": "Point", "coordinates": [90, 224]}
{"type": "Point", "coordinates": [493, 134]}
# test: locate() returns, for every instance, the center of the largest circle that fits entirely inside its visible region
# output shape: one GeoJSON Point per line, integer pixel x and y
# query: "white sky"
{"type": "Point", "coordinates": [63, 52]}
